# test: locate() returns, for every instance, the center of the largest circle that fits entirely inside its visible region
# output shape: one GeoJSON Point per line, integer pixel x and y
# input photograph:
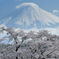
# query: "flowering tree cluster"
{"type": "Point", "coordinates": [29, 45]}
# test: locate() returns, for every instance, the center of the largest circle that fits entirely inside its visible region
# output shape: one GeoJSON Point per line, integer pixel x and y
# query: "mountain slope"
{"type": "Point", "coordinates": [30, 15]}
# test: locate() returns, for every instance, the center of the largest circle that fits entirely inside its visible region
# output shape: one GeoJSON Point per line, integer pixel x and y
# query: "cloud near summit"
{"type": "Point", "coordinates": [27, 4]}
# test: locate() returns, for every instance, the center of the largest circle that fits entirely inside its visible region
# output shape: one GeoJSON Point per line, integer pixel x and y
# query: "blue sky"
{"type": "Point", "coordinates": [8, 6]}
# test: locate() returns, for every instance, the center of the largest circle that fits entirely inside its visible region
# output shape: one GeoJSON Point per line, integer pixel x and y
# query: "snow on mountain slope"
{"type": "Point", "coordinates": [30, 15]}
{"type": "Point", "coordinates": [39, 14]}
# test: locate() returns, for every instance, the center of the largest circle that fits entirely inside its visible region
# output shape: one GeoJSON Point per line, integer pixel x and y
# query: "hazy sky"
{"type": "Point", "coordinates": [8, 6]}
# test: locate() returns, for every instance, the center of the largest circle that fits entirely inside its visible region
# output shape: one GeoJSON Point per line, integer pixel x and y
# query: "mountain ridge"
{"type": "Point", "coordinates": [30, 15]}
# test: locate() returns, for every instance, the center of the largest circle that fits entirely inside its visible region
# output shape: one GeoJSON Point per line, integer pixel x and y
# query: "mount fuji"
{"type": "Point", "coordinates": [30, 15]}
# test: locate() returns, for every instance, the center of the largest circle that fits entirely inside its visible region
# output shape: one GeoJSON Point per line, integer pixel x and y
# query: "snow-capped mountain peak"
{"type": "Point", "coordinates": [30, 15]}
